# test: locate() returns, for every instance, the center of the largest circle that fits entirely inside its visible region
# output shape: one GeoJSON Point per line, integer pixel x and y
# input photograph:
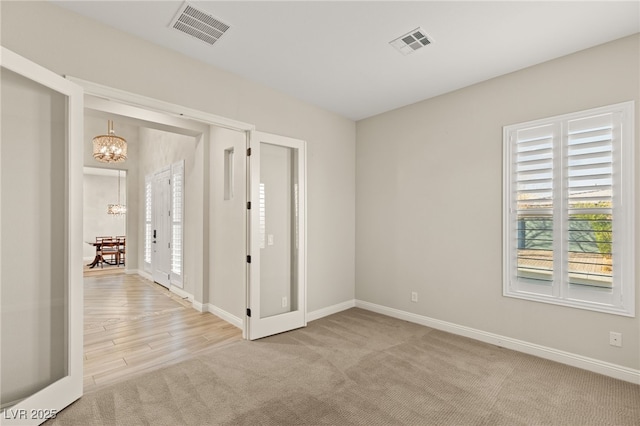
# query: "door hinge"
{"type": "Point", "coordinates": [248, 312]}
{"type": "Point", "coordinates": [248, 152]}
{"type": "Point", "coordinates": [248, 259]}
{"type": "Point", "coordinates": [248, 205]}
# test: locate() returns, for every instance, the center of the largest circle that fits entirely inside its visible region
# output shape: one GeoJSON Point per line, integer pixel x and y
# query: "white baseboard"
{"type": "Point", "coordinates": [220, 313]}
{"type": "Point", "coordinates": [330, 310]}
{"type": "Point", "coordinates": [180, 292]}
{"type": "Point", "coordinates": [574, 360]}
{"type": "Point", "coordinates": [144, 274]}
{"type": "Point", "coordinates": [172, 288]}
{"type": "Point", "coordinates": [199, 306]}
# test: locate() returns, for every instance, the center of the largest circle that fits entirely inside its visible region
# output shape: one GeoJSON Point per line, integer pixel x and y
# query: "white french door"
{"type": "Point", "coordinates": [161, 225]}
{"type": "Point", "coordinates": [277, 235]}
{"type": "Point", "coordinates": [41, 307]}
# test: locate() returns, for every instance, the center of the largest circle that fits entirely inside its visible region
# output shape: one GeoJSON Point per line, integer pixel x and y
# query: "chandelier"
{"type": "Point", "coordinates": [117, 209]}
{"type": "Point", "coordinates": [109, 148]}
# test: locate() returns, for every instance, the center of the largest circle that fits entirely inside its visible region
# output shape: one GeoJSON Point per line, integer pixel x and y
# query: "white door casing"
{"type": "Point", "coordinates": [276, 265]}
{"type": "Point", "coordinates": [45, 374]}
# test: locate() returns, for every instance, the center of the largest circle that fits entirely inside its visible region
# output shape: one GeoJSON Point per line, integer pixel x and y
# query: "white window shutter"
{"type": "Point", "coordinates": [148, 231]}
{"type": "Point", "coordinates": [568, 219]}
{"type": "Point", "coordinates": [177, 220]}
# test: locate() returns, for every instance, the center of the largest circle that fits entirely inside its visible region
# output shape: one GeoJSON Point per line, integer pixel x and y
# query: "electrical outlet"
{"type": "Point", "coordinates": [284, 302]}
{"type": "Point", "coordinates": [615, 339]}
{"type": "Point", "coordinates": [414, 296]}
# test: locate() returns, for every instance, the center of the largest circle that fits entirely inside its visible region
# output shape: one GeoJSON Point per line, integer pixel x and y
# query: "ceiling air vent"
{"type": "Point", "coordinates": [198, 24]}
{"type": "Point", "coordinates": [411, 41]}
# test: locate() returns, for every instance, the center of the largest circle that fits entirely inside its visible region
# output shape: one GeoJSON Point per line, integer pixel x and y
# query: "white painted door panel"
{"type": "Point", "coordinates": [161, 224]}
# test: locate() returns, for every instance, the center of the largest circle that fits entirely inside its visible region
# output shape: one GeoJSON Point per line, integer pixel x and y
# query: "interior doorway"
{"type": "Point", "coordinates": [163, 327]}
{"type": "Point", "coordinates": [104, 219]}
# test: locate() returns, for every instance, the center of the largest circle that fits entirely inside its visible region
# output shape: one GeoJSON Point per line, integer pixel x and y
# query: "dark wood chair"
{"type": "Point", "coordinates": [109, 249]}
{"type": "Point", "coordinates": [122, 249]}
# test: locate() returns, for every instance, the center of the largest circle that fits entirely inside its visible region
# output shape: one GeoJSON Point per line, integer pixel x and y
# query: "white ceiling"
{"type": "Point", "coordinates": [336, 54]}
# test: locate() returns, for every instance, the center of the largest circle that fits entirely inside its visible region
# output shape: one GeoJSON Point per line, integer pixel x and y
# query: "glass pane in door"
{"type": "Point", "coordinates": [278, 228]}
{"type": "Point", "coordinates": [33, 244]}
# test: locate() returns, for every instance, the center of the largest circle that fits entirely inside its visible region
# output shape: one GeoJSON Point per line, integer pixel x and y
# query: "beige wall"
{"type": "Point", "coordinates": [226, 259]}
{"type": "Point", "coordinates": [98, 192]}
{"type": "Point", "coordinates": [69, 44]}
{"type": "Point", "coordinates": [429, 202]}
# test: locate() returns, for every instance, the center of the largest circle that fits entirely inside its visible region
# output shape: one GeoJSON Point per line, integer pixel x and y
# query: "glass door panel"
{"type": "Point", "coordinates": [40, 242]}
{"type": "Point", "coordinates": [34, 301]}
{"type": "Point", "coordinates": [277, 276]}
{"type": "Point", "coordinates": [278, 230]}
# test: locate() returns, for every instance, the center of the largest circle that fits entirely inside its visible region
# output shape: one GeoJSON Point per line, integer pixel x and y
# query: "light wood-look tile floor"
{"type": "Point", "coordinates": [132, 325]}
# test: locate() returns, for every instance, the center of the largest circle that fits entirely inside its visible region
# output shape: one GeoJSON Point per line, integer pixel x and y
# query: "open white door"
{"type": "Point", "coordinates": [277, 235]}
{"type": "Point", "coordinates": [40, 242]}
{"type": "Point", "coordinates": [161, 222]}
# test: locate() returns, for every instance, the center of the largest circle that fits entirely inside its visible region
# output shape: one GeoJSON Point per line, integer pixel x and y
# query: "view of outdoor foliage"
{"type": "Point", "coordinates": [589, 245]}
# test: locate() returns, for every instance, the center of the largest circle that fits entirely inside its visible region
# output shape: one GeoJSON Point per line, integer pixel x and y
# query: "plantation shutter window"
{"type": "Point", "coordinates": [177, 207]}
{"type": "Point", "coordinates": [148, 229]}
{"type": "Point", "coordinates": [568, 201]}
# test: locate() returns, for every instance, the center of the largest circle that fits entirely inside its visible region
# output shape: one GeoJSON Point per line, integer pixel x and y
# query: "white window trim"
{"type": "Point", "coordinates": [623, 223]}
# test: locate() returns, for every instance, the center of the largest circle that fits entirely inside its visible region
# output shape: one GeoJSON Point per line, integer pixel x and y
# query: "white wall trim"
{"type": "Point", "coordinates": [176, 290]}
{"type": "Point", "coordinates": [145, 275]}
{"type": "Point", "coordinates": [220, 313]}
{"type": "Point", "coordinates": [198, 306]}
{"type": "Point", "coordinates": [330, 310]}
{"type": "Point", "coordinates": [129, 98]}
{"type": "Point", "coordinates": [574, 360]}
{"type": "Point", "coordinates": [180, 292]}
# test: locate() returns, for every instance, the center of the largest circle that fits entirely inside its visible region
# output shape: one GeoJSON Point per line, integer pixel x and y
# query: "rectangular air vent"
{"type": "Point", "coordinates": [411, 41]}
{"type": "Point", "coordinates": [198, 24]}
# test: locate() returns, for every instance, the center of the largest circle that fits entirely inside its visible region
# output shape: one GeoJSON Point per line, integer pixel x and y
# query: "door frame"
{"type": "Point", "coordinates": [61, 393]}
{"type": "Point", "coordinates": [162, 112]}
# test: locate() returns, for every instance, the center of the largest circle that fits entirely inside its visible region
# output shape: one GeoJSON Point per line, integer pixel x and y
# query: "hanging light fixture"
{"type": "Point", "coordinates": [109, 148]}
{"type": "Point", "coordinates": [117, 209]}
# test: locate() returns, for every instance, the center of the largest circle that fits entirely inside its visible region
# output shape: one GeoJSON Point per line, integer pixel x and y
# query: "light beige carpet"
{"type": "Point", "coordinates": [361, 368]}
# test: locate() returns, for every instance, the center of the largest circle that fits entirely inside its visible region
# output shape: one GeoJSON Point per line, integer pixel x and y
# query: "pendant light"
{"type": "Point", "coordinates": [109, 148]}
{"type": "Point", "coordinates": [117, 209]}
